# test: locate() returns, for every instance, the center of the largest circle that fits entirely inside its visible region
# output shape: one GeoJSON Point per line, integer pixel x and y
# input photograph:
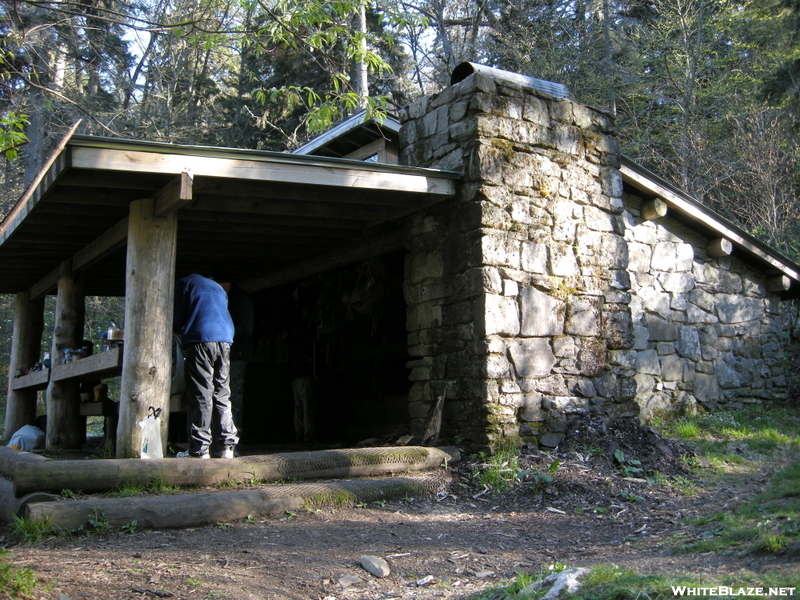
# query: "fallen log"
{"type": "Point", "coordinates": [11, 506]}
{"type": "Point", "coordinates": [102, 475]}
{"type": "Point", "coordinates": [9, 458]}
{"type": "Point", "coordinates": [186, 510]}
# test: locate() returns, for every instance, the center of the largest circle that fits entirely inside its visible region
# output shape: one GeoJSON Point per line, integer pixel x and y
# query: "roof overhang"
{"type": "Point", "coordinates": [255, 211]}
{"type": "Point", "coordinates": [356, 132]}
{"type": "Point", "coordinates": [685, 209]}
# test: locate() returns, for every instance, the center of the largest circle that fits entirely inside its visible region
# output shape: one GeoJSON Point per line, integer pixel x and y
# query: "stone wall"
{"type": "Point", "coordinates": [706, 330]}
{"type": "Point", "coordinates": [538, 293]}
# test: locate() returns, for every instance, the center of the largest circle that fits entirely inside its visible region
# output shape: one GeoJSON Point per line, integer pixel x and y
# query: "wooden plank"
{"type": "Point", "coordinates": [96, 366]}
{"type": "Point", "coordinates": [267, 170]}
{"type": "Point", "coordinates": [692, 210]}
{"type": "Point", "coordinates": [174, 195]}
{"type": "Point", "coordinates": [45, 285]}
{"type": "Point", "coordinates": [37, 380]}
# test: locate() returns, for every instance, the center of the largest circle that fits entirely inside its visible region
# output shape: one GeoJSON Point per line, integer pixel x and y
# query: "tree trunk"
{"type": "Point", "coordinates": [65, 426]}
{"type": "Point", "coordinates": [361, 82]}
{"type": "Point", "coordinates": [147, 356]}
{"type": "Point", "coordinates": [26, 346]}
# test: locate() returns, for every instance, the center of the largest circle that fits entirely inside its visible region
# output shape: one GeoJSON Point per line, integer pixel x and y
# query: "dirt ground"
{"type": "Point", "coordinates": [452, 545]}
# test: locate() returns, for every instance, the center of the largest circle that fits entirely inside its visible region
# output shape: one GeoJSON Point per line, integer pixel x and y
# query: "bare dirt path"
{"type": "Point", "coordinates": [449, 546]}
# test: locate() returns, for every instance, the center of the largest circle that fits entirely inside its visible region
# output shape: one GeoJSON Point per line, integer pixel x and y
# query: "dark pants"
{"type": "Point", "coordinates": [207, 370]}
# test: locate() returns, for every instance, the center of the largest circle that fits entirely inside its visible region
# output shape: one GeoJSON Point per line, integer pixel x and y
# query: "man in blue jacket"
{"type": "Point", "coordinates": [201, 317]}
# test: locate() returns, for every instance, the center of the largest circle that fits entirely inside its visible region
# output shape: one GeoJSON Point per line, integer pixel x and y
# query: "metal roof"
{"type": "Point", "coordinates": [351, 134]}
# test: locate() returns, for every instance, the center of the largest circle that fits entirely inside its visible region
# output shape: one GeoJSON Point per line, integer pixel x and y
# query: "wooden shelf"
{"type": "Point", "coordinates": [32, 381]}
{"type": "Point", "coordinates": [96, 366]}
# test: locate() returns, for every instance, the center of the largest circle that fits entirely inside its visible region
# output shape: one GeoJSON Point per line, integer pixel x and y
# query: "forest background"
{"type": "Point", "coordinates": [706, 93]}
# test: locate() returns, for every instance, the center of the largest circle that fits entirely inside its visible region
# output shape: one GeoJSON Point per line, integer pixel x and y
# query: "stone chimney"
{"type": "Point", "coordinates": [517, 290]}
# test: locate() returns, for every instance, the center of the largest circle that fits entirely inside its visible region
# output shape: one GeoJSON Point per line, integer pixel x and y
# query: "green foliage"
{"type": "Point", "coordinates": [496, 472]}
{"type": "Point", "coordinates": [98, 523]}
{"type": "Point", "coordinates": [537, 479]}
{"type": "Point", "coordinates": [609, 582]}
{"type": "Point", "coordinates": [12, 133]}
{"type": "Point", "coordinates": [628, 467]}
{"type": "Point", "coordinates": [31, 531]}
{"type": "Point", "coordinates": [130, 527]}
{"type": "Point", "coordinates": [15, 583]}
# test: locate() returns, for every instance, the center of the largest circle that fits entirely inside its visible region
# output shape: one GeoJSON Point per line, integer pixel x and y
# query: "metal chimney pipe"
{"type": "Point", "coordinates": [465, 69]}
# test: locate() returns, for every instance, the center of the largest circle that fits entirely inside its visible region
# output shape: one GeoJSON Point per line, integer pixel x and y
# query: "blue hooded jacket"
{"type": "Point", "coordinates": [201, 311]}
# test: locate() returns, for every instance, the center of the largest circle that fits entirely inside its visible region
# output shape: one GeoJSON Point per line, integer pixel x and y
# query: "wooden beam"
{"type": "Point", "coordinates": [255, 191]}
{"type": "Point", "coordinates": [174, 195]}
{"type": "Point", "coordinates": [719, 247]}
{"type": "Point", "coordinates": [367, 248]}
{"type": "Point", "coordinates": [655, 209]}
{"type": "Point", "coordinates": [694, 211]}
{"type": "Point", "coordinates": [778, 284]}
{"type": "Point", "coordinates": [268, 207]}
{"type": "Point", "coordinates": [267, 169]}
{"type": "Point", "coordinates": [104, 245]}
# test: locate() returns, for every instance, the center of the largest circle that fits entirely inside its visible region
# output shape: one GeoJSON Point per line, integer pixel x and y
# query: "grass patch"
{"type": "Point", "coordinates": [608, 582]}
{"type": "Point", "coordinates": [737, 437]}
{"type": "Point", "coordinates": [738, 444]}
{"type": "Point", "coordinates": [136, 488]}
{"type": "Point", "coordinates": [28, 532]}
{"type": "Point", "coordinates": [497, 472]}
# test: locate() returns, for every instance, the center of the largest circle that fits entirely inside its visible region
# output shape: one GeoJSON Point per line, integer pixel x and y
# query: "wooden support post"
{"type": "Point", "coordinates": [655, 209]}
{"type": "Point", "coordinates": [149, 291]}
{"type": "Point", "coordinates": [719, 247]}
{"type": "Point", "coordinates": [66, 430]}
{"type": "Point", "coordinates": [26, 347]}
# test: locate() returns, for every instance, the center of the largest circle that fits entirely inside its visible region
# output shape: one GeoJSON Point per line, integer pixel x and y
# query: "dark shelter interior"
{"type": "Point", "coordinates": [346, 330]}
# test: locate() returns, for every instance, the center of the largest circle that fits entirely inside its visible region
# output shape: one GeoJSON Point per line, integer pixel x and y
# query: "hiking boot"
{"type": "Point", "coordinates": [188, 454]}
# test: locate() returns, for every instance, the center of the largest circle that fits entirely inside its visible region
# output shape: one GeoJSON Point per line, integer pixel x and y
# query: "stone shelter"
{"type": "Point", "coordinates": [514, 270]}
